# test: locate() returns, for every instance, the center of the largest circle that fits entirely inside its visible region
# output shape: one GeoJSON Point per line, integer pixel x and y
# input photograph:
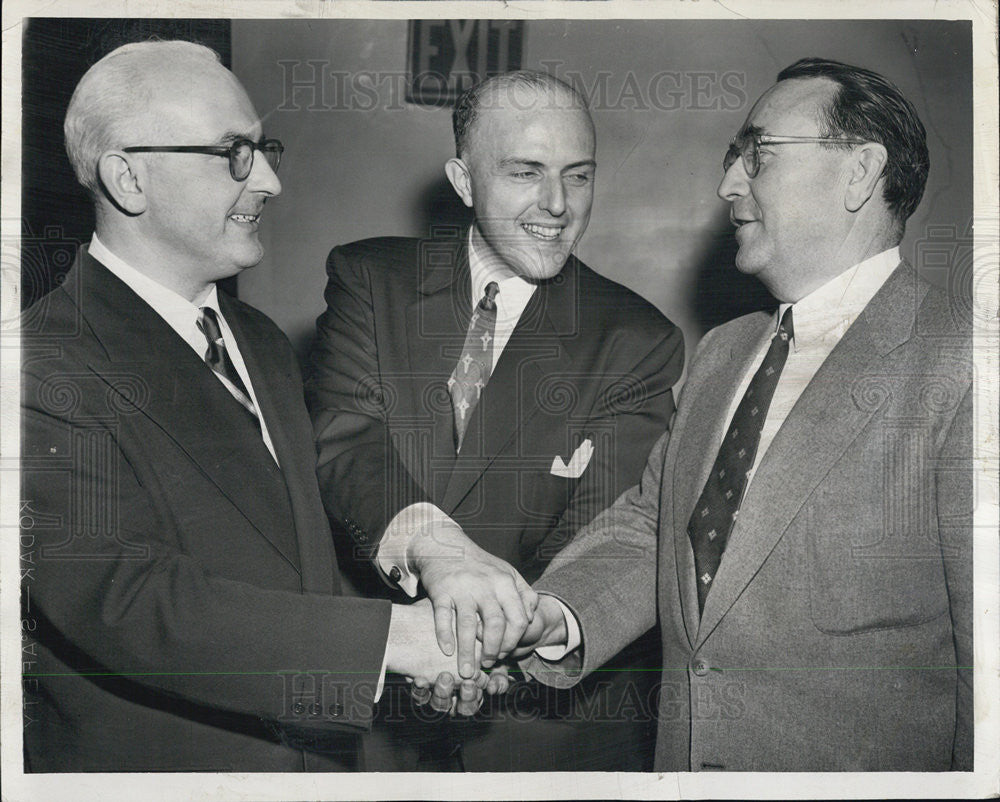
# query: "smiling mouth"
{"type": "Point", "coordinates": [546, 233]}
{"type": "Point", "coordinates": [245, 218]}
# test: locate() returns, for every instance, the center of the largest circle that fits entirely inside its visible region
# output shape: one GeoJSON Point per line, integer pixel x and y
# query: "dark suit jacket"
{"type": "Point", "coordinates": [183, 601]}
{"type": "Point", "coordinates": [838, 632]}
{"type": "Point", "coordinates": [588, 359]}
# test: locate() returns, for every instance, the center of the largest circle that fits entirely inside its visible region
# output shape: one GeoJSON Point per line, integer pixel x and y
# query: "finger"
{"type": "Point", "coordinates": [420, 690]}
{"type": "Point", "coordinates": [470, 698]}
{"type": "Point", "coordinates": [444, 686]}
{"type": "Point", "coordinates": [494, 627]}
{"type": "Point", "coordinates": [516, 622]}
{"type": "Point", "coordinates": [529, 600]}
{"type": "Point", "coordinates": [444, 620]}
{"type": "Point", "coordinates": [467, 623]}
{"type": "Point", "coordinates": [499, 681]}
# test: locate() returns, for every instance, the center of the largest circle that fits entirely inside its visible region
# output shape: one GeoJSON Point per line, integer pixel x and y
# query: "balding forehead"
{"type": "Point", "coordinates": [521, 96]}
{"type": "Point", "coordinates": [505, 104]}
{"type": "Point", "coordinates": [176, 101]}
{"type": "Point", "coordinates": [805, 97]}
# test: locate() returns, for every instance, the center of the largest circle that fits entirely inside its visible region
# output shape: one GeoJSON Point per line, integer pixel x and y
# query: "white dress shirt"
{"type": "Point", "coordinates": [182, 316]}
{"type": "Point", "coordinates": [818, 321]}
{"type": "Point", "coordinates": [511, 299]}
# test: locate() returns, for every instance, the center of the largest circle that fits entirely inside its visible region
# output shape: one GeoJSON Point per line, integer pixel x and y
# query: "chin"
{"type": "Point", "coordinates": [745, 263]}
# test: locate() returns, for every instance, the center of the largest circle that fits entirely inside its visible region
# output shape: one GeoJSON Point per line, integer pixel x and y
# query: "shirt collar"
{"type": "Point", "coordinates": [831, 309]}
{"type": "Point", "coordinates": [166, 303]}
{"type": "Point", "coordinates": [514, 290]}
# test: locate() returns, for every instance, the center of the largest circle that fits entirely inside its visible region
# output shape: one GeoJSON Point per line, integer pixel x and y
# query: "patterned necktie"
{"type": "Point", "coordinates": [715, 513]}
{"type": "Point", "coordinates": [473, 370]}
{"type": "Point", "coordinates": [217, 358]}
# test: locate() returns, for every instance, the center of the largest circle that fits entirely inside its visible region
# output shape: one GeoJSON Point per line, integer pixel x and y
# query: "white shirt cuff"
{"type": "Point", "coordinates": [407, 524]}
{"type": "Point", "coordinates": [555, 653]}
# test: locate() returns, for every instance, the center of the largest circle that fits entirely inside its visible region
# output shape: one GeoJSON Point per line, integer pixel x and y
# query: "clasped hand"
{"type": "Point", "coordinates": [478, 600]}
{"type": "Point", "coordinates": [475, 595]}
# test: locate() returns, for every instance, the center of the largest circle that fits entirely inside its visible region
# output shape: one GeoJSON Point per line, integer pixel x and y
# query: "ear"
{"type": "Point", "coordinates": [867, 166]}
{"type": "Point", "coordinates": [460, 178]}
{"type": "Point", "coordinates": [120, 177]}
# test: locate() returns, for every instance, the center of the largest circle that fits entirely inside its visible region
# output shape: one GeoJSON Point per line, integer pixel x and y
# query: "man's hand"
{"type": "Point", "coordinates": [547, 627]}
{"type": "Point", "coordinates": [474, 591]}
{"type": "Point", "coordinates": [447, 695]}
{"type": "Point", "coordinates": [412, 651]}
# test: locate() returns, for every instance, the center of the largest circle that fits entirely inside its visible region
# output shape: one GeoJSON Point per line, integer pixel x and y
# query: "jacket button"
{"type": "Point", "coordinates": [362, 537]}
{"type": "Point", "coordinates": [336, 709]}
{"type": "Point", "coordinates": [395, 574]}
{"type": "Point", "coordinates": [699, 667]}
{"type": "Point", "coordinates": [315, 709]}
{"type": "Point", "coordinates": [298, 708]}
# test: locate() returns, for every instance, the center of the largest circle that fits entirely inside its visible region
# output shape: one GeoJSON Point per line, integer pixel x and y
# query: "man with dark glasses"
{"type": "Point", "coordinates": [184, 601]}
{"type": "Point", "coordinates": [804, 532]}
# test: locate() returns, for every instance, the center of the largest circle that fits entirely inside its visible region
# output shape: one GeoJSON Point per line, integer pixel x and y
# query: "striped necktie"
{"type": "Point", "coordinates": [218, 359]}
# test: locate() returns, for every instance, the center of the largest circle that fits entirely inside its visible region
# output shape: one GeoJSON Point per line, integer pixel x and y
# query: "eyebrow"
{"type": "Point", "coordinates": [514, 161]}
{"type": "Point", "coordinates": [751, 130]}
{"type": "Point", "coordinates": [231, 136]}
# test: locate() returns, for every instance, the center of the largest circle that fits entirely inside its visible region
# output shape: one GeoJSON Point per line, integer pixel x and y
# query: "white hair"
{"type": "Point", "coordinates": [115, 93]}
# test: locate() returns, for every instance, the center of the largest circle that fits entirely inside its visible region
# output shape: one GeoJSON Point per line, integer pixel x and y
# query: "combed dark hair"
{"type": "Point", "coordinates": [872, 108]}
{"type": "Point", "coordinates": [470, 102]}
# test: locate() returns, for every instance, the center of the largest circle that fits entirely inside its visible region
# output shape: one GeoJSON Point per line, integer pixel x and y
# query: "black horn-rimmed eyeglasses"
{"type": "Point", "coordinates": [240, 153]}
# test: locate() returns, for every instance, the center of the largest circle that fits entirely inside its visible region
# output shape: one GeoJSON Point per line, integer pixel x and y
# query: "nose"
{"type": "Point", "coordinates": [553, 197]}
{"type": "Point", "coordinates": [262, 177]}
{"type": "Point", "coordinates": [735, 183]}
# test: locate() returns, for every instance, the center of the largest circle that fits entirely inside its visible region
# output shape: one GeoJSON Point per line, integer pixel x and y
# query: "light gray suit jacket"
{"type": "Point", "coordinates": [838, 633]}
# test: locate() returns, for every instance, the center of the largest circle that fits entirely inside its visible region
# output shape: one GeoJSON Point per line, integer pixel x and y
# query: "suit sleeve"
{"type": "Point", "coordinates": [138, 611]}
{"type": "Point", "coordinates": [363, 481]}
{"type": "Point", "coordinates": [607, 577]}
{"type": "Point", "coordinates": [633, 412]}
{"type": "Point", "coordinates": [955, 508]}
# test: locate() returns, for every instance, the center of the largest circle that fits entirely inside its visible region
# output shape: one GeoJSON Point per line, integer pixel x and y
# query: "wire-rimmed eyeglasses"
{"type": "Point", "coordinates": [240, 153]}
{"type": "Point", "coordinates": [747, 147]}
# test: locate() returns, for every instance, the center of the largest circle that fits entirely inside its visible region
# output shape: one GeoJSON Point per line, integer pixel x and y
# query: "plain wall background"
{"type": "Point", "coordinates": [657, 224]}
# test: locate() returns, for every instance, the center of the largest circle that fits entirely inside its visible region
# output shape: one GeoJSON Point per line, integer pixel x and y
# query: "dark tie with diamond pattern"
{"type": "Point", "coordinates": [715, 513]}
{"type": "Point", "coordinates": [473, 370]}
{"type": "Point", "coordinates": [218, 359]}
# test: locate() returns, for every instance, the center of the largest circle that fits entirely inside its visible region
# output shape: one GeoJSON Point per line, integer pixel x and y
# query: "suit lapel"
{"type": "Point", "coordinates": [292, 438]}
{"type": "Point", "coordinates": [510, 401]}
{"type": "Point", "coordinates": [181, 396]}
{"type": "Point", "coordinates": [700, 424]}
{"type": "Point", "coordinates": [437, 321]}
{"type": "Point", "coordinates": [825, 420]}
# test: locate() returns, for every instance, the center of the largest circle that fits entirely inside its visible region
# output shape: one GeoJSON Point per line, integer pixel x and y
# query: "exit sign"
{"type": "Point", "coordinates": [446, 57]}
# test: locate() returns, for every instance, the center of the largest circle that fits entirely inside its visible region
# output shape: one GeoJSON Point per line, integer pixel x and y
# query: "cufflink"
{"type": "Point", "coordinates": [395, 574]}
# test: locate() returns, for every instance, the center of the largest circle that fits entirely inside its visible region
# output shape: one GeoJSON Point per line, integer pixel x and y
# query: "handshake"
{"type": "Point", "coordinates": [481, 602]}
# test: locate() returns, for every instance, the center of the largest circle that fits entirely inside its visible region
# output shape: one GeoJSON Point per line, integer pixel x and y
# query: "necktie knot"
{"type": "Point", "coordinates": [208, 324]}
{"type": "Point", "coordinates": [488, 302]}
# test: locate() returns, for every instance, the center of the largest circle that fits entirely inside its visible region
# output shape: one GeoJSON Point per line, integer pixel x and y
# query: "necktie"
{"type": "Point", "coordinates": [217, 358]}
{"type": "Point", "coordinates": [473, 370]}
{"type": "Point", "coordinates": [718, 505]}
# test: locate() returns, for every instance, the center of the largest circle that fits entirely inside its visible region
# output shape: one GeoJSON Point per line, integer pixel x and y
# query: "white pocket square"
{"type": "Point", "coordinates": [577, 463]}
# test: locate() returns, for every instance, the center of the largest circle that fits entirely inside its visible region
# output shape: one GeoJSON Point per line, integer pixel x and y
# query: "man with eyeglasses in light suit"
{"type": "Point", "coordinates": [184, 602]}
{"type": "Point", "coordinates": [806, 525]}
